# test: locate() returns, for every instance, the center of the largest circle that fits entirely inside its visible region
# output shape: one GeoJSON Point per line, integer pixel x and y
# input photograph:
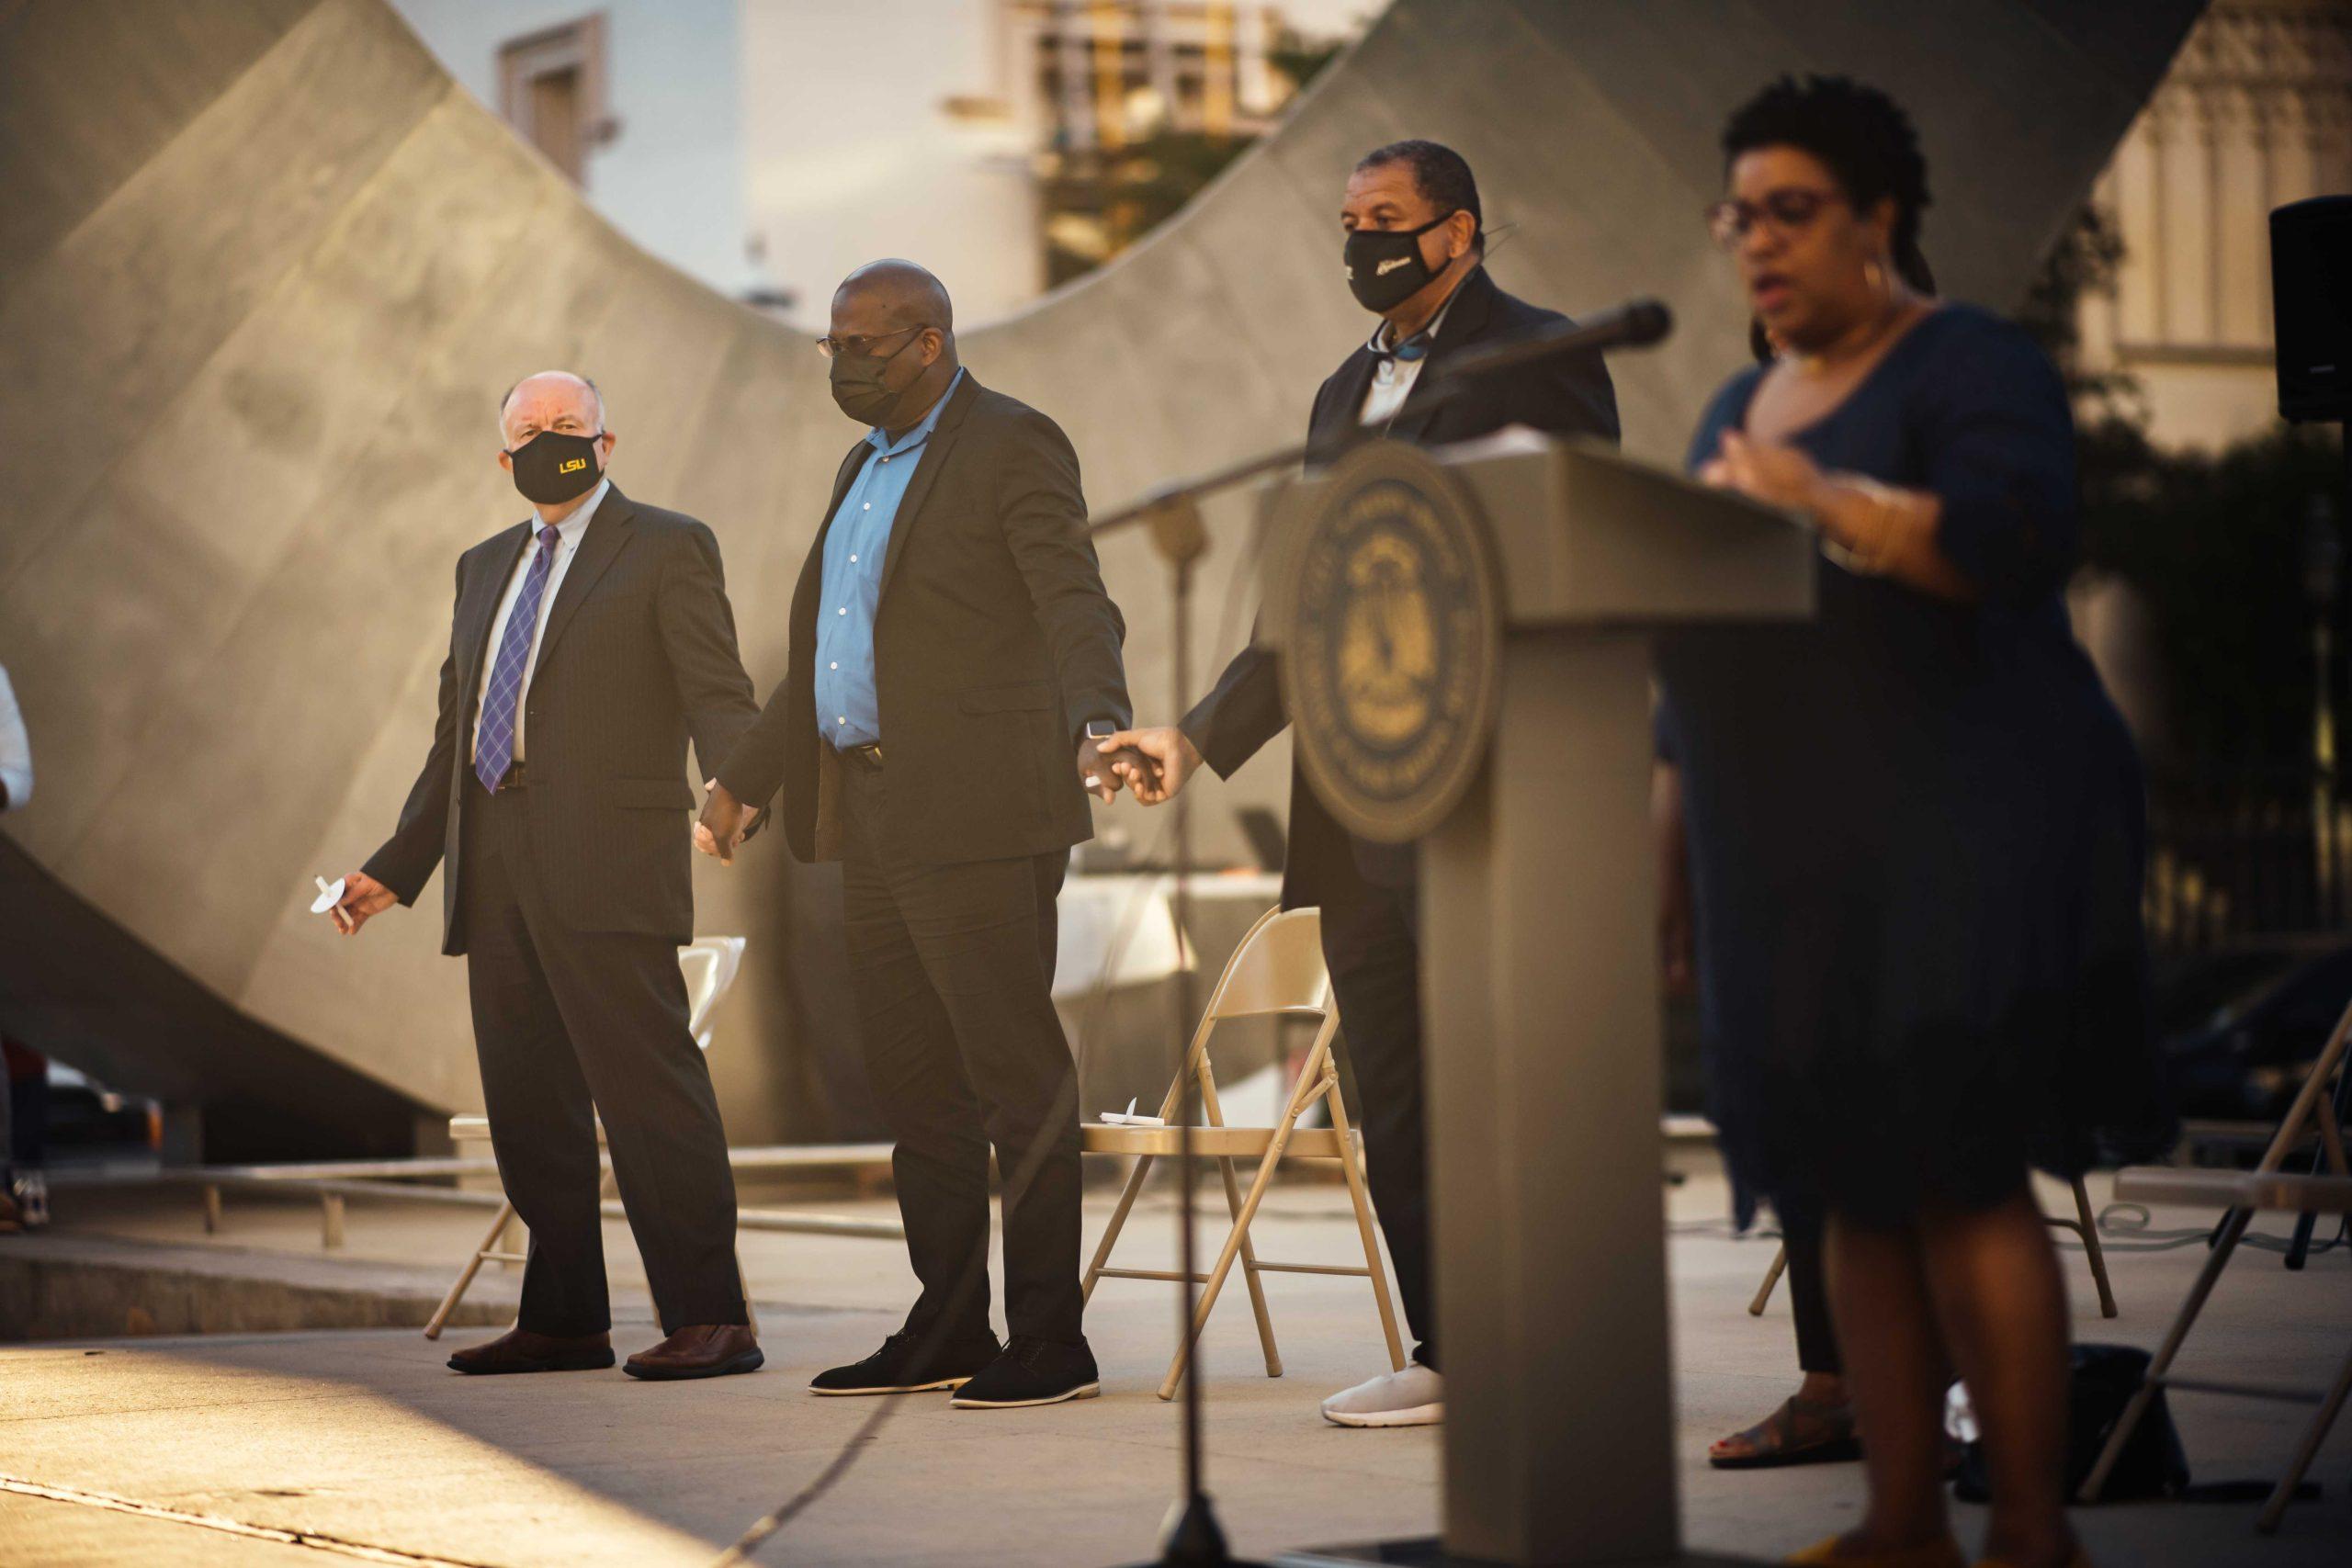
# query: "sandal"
{"type": "Point", "coordinates": [1776, 1442]}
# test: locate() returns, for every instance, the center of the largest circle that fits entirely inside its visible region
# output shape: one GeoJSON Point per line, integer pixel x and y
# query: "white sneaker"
{"type": "Point", "coordinates": [1413, 1397]}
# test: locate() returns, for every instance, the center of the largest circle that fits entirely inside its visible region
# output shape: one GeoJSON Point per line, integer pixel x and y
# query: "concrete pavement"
{"type": "Point", "coordinates": [361, 1441]}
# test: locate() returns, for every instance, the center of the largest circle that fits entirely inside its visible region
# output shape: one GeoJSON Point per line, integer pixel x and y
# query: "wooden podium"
{"type": "Point", "coordinates": [1539, 949]}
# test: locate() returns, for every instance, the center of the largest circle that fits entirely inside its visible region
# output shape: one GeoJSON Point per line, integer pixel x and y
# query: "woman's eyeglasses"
{"type": "Point", "coordinates": [1786, 210]}
{"type": "Point", "coordinates": [834, 347]}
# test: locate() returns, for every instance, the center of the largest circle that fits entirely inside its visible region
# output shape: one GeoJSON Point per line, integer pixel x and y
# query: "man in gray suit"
{"type": "Point", "coordinates": [588, 645]}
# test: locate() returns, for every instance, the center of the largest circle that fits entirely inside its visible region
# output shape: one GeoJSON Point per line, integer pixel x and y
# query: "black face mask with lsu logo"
{"type": "Point", "coordinates": [552, 467]}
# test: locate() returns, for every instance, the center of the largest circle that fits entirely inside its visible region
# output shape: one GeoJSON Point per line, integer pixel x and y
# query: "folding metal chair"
{"type": "Point", "coordinates": [710, 964]}
{"type": "Point", "coordinates": [2242, 1194]}
{"type": "Point", "coordinates": [1277, 969]}
{"type": "Point", "coordinates": [2082, 1225]}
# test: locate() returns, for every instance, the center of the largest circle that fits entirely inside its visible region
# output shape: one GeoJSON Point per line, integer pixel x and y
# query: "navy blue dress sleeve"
{"type": "Point", "coordinates": [1989, 421]}
{"type": "Point", "coordinates": [1727, 407]}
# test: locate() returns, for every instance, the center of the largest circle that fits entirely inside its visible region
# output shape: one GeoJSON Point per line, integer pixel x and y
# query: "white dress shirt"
{"type": "Point", "coordinates": [16, 751]}
{"type": "Point", "coordinates": [1392, 380]}
{"type": "Point", "coordinates": [567, 545]}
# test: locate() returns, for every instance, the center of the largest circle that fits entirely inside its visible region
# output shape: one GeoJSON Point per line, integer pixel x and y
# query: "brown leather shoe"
{"type": "Point", "coordinates": [520, 1350]}
{"type": "Point", "coordinates": [699, 1350]}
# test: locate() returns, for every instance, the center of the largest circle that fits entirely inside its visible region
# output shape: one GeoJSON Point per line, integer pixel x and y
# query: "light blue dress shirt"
{"type": "Point", "coordinates": [856, 544]}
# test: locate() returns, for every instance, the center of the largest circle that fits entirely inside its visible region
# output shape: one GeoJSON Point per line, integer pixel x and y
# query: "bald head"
{"type": "Point", "coordinates": [892, 343]}
{"type": "Point", "coordinates": [900, 292]}
{"type": "Point", "coordinates": [551, 400]}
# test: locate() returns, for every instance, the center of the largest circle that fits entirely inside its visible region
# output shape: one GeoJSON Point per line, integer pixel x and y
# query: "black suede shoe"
{"type": "Point", "coordinates": [899, 1367]}
{"type": "Point", "coordinates": [1032, 1371]}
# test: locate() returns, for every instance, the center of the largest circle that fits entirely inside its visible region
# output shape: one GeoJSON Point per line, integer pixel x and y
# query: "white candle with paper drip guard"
{"type": "Point", "coordinates": [1128, 1117]}
{"type": "Point", "coordinates": [329, 901]}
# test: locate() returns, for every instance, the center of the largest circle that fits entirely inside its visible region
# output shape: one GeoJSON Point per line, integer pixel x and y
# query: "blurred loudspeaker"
{"type": "Point", "coordinates": [2311, 292]}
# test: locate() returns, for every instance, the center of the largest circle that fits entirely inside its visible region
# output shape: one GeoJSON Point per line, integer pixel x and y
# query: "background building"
{"type": "Point", "coordinates": [769, 146]}
{"type": "Point", "coordinates": [2255, 112]}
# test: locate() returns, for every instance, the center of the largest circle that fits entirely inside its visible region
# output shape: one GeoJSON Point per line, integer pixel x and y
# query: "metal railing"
{"type": "Point", "coordinates": [2246, 852]}
{"type": "Point", "coordinates": [335, 1182]}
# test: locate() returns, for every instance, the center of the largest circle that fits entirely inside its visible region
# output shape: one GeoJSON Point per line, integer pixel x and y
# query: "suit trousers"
{"type": "Point", "coordinates": [567, 1023]}
{"type": "Point", "coordinates": [952, 967]}
{"type": "Point", "coordinates": [1372, 946]}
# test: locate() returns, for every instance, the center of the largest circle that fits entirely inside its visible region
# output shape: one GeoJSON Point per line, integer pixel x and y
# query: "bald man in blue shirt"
{"type": "Point", "coordinates": [954, 661]}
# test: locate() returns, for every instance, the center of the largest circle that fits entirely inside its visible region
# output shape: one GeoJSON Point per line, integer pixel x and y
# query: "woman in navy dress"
{"type": "Point", "coordinates": [1915, 826]}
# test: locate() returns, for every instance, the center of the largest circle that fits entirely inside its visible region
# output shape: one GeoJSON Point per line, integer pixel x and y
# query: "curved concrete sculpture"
{"type": "Point", "coordinates": [263, 270]}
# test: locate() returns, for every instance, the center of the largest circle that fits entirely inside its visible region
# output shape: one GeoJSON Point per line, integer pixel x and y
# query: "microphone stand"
{"type": "Point", "coordinates": [1193, 1538]}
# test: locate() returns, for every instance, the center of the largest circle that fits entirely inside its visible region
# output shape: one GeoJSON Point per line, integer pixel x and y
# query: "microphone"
{"type": "Point", "coordinates": [1634, 324]}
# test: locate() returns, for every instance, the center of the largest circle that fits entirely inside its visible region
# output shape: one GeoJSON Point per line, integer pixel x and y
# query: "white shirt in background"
{"type": "Point", "coordinates": [1392, 379]}
{"type": "Point", "coordinates": [15, 747]}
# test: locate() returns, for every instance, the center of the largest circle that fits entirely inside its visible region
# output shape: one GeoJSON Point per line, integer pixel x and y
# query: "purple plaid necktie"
{"type": "Point", "coordinates": [495, 735]}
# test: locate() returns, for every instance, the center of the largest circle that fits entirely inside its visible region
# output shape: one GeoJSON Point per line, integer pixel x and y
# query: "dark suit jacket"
{"type": "Point", "coordinates": [1569, 396]}
{"type": "Point", "coordinates": [994, 643]}
{"type": "Point", "coordinates": [639, 655]}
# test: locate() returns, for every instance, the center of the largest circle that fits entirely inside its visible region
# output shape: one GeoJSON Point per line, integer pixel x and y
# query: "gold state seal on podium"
{"type": "Point", "coordinates": [1392, 667]}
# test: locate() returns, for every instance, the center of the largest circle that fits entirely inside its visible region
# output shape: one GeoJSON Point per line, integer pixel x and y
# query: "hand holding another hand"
{"type": "Point", "coordinates": [1170, 751]}
{"type": "Point", "coordinates": [1096, 772]}
{"type": "Point", "coordinates": [723, 823]}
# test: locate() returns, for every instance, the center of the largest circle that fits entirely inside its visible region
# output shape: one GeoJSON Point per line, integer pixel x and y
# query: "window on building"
{"type": "Point", "coordinates": [551, 90]}
{"type": "Point", "coordinates": [1137, 104]}
{"type": "Point", "coordinates": [2253, 113]}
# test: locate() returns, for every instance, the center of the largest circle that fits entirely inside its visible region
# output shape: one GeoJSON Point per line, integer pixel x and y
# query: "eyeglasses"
{"type": "Point", "coordinates": [1786, 210]}
{"type": "Point", "coordinates": [526, 431]}
{"type": "Point", "coordinates": [834, 347]}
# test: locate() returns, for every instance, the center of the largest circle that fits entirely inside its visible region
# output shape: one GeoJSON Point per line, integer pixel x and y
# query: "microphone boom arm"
{"type": "Point", "coordinates": [1634, 324]}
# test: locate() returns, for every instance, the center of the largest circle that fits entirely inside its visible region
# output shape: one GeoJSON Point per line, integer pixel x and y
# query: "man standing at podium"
{"type": "Point", "coordinates": [1415, 254]}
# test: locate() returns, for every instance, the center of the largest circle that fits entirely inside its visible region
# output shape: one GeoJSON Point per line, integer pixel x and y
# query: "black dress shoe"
{"type": "Point", "coordinates": [1032, 1371]}
{"type": "Point", "coordinates": [900, 1367]}
{"type": "Point", "coordinates": [520, 1350]}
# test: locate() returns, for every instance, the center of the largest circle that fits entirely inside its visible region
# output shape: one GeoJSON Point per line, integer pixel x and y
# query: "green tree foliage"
{"type": "Point", "coordinates": [2218, 543]}
{"type": "Point", "coordinates": [1145, 183]}
{"type": "Point", "coordinates": [1302, 58]}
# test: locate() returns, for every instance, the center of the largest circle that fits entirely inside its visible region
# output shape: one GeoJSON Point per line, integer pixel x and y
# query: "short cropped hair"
{"type": "Point", "coordinates": [1440, 173]}
{"type": "Point", "coordinates": [1859, 134]}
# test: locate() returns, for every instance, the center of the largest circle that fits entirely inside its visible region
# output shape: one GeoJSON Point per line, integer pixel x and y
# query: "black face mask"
{"type": "Point", "coordinates": [552, 467]}
{"type": "Point", "coordinates": [1384, 265]}
{"type": "Point", "coordinates": [859, 384]}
